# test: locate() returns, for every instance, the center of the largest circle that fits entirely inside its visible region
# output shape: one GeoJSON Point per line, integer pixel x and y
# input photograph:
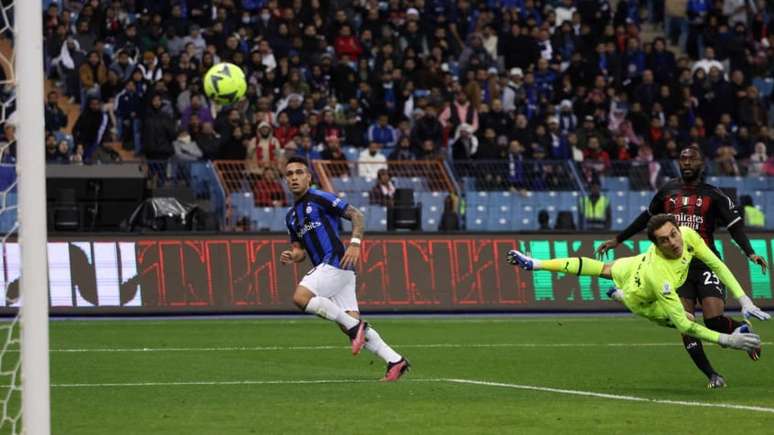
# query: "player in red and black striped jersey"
{"type": "Point", "coordinates": [702, 207]}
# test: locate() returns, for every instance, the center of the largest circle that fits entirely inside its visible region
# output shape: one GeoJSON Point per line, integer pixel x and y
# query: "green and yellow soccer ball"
{"type": "Point", "coordinates": [225, 83]}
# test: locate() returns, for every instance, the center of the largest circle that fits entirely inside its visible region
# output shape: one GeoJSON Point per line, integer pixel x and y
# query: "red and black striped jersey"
{"type": "Point", "coordinates": [701, 207]}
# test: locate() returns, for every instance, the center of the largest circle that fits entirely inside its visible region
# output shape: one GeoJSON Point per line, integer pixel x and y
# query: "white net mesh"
{"type": "Point", "coordinates": [10, 356]}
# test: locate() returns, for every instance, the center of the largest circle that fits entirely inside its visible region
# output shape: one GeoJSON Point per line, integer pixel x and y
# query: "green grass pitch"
{"type": "Point", "coordinates": [243, 376]}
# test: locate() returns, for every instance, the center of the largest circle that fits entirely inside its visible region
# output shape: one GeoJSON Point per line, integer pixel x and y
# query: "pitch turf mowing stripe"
{"type": "Point", "coordinates": [326, 347]}
{"type": "Point", "coordinates": [454, 381]}
{"type": "Point", "coordinates": [612, 396]}
{"type": "Point", "coordinates": [194, 383]}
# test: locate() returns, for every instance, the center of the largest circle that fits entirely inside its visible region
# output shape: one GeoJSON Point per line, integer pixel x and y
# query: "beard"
{"type": "Point", "coordinates": [690, 175]}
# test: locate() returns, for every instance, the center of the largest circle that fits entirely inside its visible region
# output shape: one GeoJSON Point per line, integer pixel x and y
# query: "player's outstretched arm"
{"type": "Point", "coordinates": [352, 254]}
{"type": "Point", "coordinates": [668, 299]}
{"type": "Point", "coordinates": [635, 227]}
{"type": "Point", "coordinates": [737, 233]}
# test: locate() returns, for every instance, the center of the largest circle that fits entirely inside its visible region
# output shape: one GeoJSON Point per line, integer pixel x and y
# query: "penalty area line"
{"type": "Point", "coordinates": [612, 396]}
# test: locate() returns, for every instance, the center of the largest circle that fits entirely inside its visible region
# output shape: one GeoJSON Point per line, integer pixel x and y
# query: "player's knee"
{"type": "Point", "coordinates": [301, 298]}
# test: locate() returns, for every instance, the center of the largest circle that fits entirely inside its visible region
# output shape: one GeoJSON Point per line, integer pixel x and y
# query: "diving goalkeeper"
{"type": "Point", "coordinates": [647, 283]}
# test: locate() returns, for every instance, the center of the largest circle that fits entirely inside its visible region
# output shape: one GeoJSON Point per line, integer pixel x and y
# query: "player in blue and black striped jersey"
{"type": "Point", "coordinates": [328, 290]}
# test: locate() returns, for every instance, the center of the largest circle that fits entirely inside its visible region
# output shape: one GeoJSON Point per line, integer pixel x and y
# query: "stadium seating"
{"type": "Point", "coordinates": [614, 183]}
{"type": "Point", "coordinates": [432, 208]}
{"type": "Point", "coordinates": [619, 209]}
{"type": "Point", "coordinates": [375, 217]}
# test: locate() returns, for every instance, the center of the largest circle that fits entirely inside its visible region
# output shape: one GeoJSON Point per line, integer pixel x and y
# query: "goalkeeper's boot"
{"type": "Point", "coordinates": [716, 381]}
{"type": "Point", "coordinates": [615, 294]}
{"type": "Point", "coordinates": [518, 259]}
{"type": "Point", "coordinates": [396, 370]}
{"type": "Point", "coordinates": [357, 336]}
{"type": "Point", "coordinates": [754, 354]}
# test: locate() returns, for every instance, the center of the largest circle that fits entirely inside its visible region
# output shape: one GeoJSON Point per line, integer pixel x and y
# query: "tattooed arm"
{"type": "Point", "coordinates": [352, 254]}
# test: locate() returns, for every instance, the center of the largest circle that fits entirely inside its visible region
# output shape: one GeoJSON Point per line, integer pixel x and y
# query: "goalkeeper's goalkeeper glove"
{"type": "Point", "coordinates": [750, 310]}
{"type": "Point", "coordinates": [747, 342]}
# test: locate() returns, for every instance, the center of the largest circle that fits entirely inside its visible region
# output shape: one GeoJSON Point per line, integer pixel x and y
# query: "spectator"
{"type": "Point", "coordinates": [264, 150]}
{"type": "Point", "coordinates": [268, 191]}
{"type": "Point", "coordinates": [758, 159]}
{"type": "Point", "coordinates": [208, 141]}
{"type": "Point", "coordinates": [753, 218]}
{"type": "Point", "coordinates": [111, 87]}
{"type": "Point", "coordinates": [404, 150]}
{"type": "Point", "coordinates": [56, 119]}
{"type": "Point", "coordinates": [128, 109]}
{"type": "Point", "coordinates": [186, 148]}
{"type": "Point", "coordinates": [752, 112]}
{"type": "Point", "coordinates": [383, 133]}
{"type": "Point", "coordinates": [92, 74]}
{"type": "Point", "coordinates": [50, 148]}
{"type": "Point", "coordinates": [383, 191]}
{"type": "Point", "coordinates": [123, 66]}
{"type": "Point", "coordinates": [158, 132]}
{"type": "Point", "coordinates": [199, 108]}
{"type": "Point", "coordinates": [334, 154]}
{"type": "Point", "coordinates": [284, 131]}
{"type": "Point", "coordinates": [459, 111]}
{"type": "Point", "coordinates": [307, 149]}
{"type": "Point", "coordinates": [465, 144]}
{"type": "Point", "coordinates": [450, 219]}
{"type": "Point", "coordinates": [371, 161]}
{"type": "Point", "coordinates": [91, 126]}
{"type": "Point", "coordinates": [496, 119]}
{"type": "Point", "coordinates": [595, 209]}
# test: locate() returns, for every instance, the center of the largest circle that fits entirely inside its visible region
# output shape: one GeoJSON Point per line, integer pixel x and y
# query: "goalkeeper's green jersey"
{"type": "Point", "coordinates": [650, 281]}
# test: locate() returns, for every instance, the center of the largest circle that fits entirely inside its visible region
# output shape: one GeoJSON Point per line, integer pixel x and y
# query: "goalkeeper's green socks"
{"type": "Point", "coordinates": [574, 265]}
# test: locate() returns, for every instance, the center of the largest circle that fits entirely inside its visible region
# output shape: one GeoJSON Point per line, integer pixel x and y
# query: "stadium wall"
{"type": "Point", "coordinates": [240, 273]}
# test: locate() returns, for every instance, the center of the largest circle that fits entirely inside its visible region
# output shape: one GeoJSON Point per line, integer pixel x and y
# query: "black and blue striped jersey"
{"type": "Point", "coordinates": [314, 222]}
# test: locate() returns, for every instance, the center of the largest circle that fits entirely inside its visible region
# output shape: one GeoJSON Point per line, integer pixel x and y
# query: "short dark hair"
{"type": "Point", "coordinates": [657, 222]}
{"type": "Point", "coordinates": [298, 159]}
{"type": "Point", "coordinates": [693, 147]}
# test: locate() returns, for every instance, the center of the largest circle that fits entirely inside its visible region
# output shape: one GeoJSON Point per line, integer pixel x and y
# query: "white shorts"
{"type": "Point", "coordinates": [333, 283]}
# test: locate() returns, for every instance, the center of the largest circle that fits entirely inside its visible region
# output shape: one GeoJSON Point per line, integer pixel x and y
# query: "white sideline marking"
{"type": "Point", "coordinates": [329, 347]}
{"type": "Point", "coordinates": [453, 381]}
{"type": "Point", "coordinates": [613, 396]}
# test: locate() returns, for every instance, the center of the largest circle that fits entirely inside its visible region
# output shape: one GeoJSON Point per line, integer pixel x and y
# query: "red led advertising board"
{"type": "Point", "coordinates": [397, 273]}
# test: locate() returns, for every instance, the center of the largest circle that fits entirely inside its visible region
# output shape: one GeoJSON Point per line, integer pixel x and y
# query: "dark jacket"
{"type": "Point", "coordinates": [158, 132]}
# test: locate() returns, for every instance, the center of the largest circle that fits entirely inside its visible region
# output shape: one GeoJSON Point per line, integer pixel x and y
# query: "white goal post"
{"type": "Point", "coordinates": [31, 170]}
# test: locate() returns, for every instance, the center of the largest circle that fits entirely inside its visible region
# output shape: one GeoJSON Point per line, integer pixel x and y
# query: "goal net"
{"type": "Point", "coordinates": [24, 374]}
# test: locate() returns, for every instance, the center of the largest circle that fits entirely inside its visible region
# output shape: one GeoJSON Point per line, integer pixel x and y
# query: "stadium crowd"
{"type": "Point", "coordinates": [505, 80]}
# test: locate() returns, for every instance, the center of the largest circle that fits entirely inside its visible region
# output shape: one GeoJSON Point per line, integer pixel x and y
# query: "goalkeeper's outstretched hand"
{"type": "Point", "coordinates": [745, 341]}
{"type": "Point", "coordinates": [749, 309]}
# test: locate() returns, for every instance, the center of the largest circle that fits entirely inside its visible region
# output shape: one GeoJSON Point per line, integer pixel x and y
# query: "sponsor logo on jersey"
{"type": "Point", "coordinates": [308, 227]}
{"type": "Point", "coordinates": [308, 209]}
{"type": "Point", "coordinates": [689, 220]}
{"type": "Point", "coordinates": [666, 289]}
